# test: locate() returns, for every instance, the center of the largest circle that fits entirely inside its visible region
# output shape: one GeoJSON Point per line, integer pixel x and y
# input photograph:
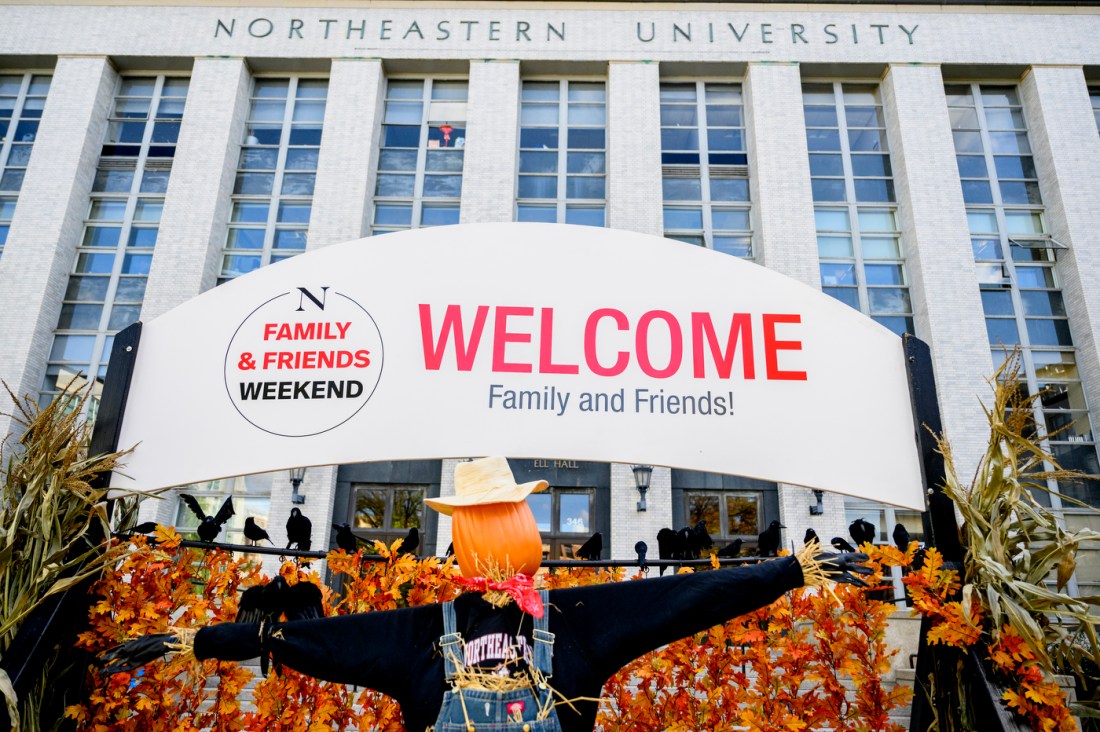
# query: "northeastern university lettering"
{"type": "Point", "coordinates": [451, 31]}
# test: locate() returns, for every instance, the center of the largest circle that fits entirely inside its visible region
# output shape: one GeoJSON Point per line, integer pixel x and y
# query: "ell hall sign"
{"type": "Point", "coordinates": [523, 340]}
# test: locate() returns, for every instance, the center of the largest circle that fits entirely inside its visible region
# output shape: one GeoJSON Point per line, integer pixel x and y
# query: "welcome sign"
{"type": "Point", "coordinates": [523, 340]}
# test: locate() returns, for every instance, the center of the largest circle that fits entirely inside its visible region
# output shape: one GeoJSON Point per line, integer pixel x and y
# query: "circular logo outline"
{"type": "Point", "coordinates": [229, 348]}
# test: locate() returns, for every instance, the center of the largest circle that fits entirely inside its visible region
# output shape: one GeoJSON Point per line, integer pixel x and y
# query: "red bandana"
{"type": "Point", "coordinates": [520, 588]}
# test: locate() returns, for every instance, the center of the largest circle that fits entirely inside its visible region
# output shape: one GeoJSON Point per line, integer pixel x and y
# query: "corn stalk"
{"type": "Point", "coordinates": [1015, 546]}
{"type": "Point", "coordinates": [53, 520]}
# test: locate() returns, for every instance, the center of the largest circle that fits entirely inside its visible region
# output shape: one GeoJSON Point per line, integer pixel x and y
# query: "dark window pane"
{"type": "Point", "coordinates": [826, 165]}
{"type": "Point", "coordinates": [683, 218]}
{"type": "Point", "coordinates": [442, 186]}
{"type": "Point", "coordinates": [728, 158]}
{"type": "Point", "coordinates": [403, 160]}
{"type": "Point", "coordinates": [101, 236]}
{"type": "Point", "coordinates": [254, 183]}
{"type": "Point", "coordinates": [1015, 166]}
{"type": "Point", "coordinates": [971, 166]}
{"type": "Point", "coordinates": [538, 186]}
{"type": "Point", "coordinates": [874, 190]}
{"type": "Point", "coordinates": [143, 237]}
{"type": "Point", "coordinates": [439, 215]}
{"type": "Point", "coordinates": [444, 161]}
{"type": "Point", "coordinates": [867, 140]}
{"type": "Point", "coordinates": [538, 162]}
{"type": "Point", "coordinates": [823, 140]}
{"type": "Point", "coordinates": [298, 184]}
{"type": "Point", "coordinates": [820, 116]}
{"type": "Point", "coordinates": [587, 138]}
{"type": "Point", "coordinates": [1016, 191]}
{"type": "Point", "coordinates": [679, 139]}
{"type": "Point", "coordinates": [1043, 304]}
{"type": "Point", "coordinates": [742, 514]}
{"type": "Point", "coordinates": [723, 115]}
{"type": "Point", "coordinates": [584, 216]}
{"type": "Point", "coordinates": [289, 239]}
{"type": "Point", "coordinates": [828, 189]}
{"type": "Point", "coordinates": [986, 249]}
{"type": "Point", "coordinates": [302, 159]}
{"type": "Point", "coordinates": [113, 181]}
{"type": "Point", "coordinates": [130, 289]}
{"type": "Point", "coordinates": [136, 264]}
{"type": "Point", "coordinates": [1002, 331]}
{"type": "Point", "coordinates": [884, 274]}
{"type": "Point", "coordinates": [725, 140]}
{"type": "Point", "coordinates": [392, 215]}
{"type": "Point", "coordinates": [1049, 332]}
{"type": "Point", "coordinates": [585, 162]}
{"type": "Point", "coordinates": [577, 187]}
{"type": "Point", "coordinates": [408, 504]}
{"type": "Point", "coordinates": [679, 158]}
{"type": "Point", "coordinates": [977, 191]}
{"type": "Point", "coordinates": [87, 289]}
{"type": "Point", "coordinates": [245, 239]}
{"type": "Point", "coordinates": [871, 165]}
{"type": "Point", "coordinates": [544, 214]}
{"type": "Point", "coordinates": [305, 135]}
{"type": "Point", "coordinates": [538, 138]}
{"type": "Point", "coordinates": [402, 136]}
{"type": "Point", "coordinates": [704, 509]}
{"type": "Point", "coordinates": [155, 181]}
{"type": "Point", "coordinates": [997, 302]}
{"type": "Point", "coordinates": [79, 317]}
{"type": "Point", "coordinates": [166, 132]}
{"type": "Point", "coordinates": [370, 508]}
{"type": "Point", "coordinates": [123, 316]}
{"type": "Point", "coordinates": [900, 326]}
{"type": "Point", "coordinates": [838, 273]}
{"type": "Point", "coordinates": [395, 185]}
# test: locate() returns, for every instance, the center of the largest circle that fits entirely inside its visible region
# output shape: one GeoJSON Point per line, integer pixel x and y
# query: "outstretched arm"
{"type": "Point", "coordinates": [365, 649]}
{"type": "Point", "coordinates": [616, 623]}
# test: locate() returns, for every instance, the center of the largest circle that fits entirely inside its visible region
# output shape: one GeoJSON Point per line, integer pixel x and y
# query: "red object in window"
{"type": "Point", "coordinates": [446, 130]}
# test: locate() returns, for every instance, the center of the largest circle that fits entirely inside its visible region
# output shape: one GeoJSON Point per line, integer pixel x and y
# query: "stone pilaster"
{"type": "Point", "coordinates": [492, 143]}
{"type": "Point", "coordinates": [634, 194]}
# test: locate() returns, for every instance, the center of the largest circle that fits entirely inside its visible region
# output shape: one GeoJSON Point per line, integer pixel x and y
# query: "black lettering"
{"type": "Point", "coordinates": [559, 33]}
{"type": "Point", "coordinates": [880, 28]}
{"type": "Point", "coordinates": [295, 28]}
{"type": "Point", "coordinates": [652, 32]}
{"type": "Point", "coordinates": [469, 27]}
{"type": "Point", "coordinates": [251, 390]}
{"type": "Point", "coordinates": [833, 36]}
{"type": "Point", "coordinates": [737, 35]}
{"type": "Point", "coordinates": [414, 28]}
{"type": "Point", "coordinates": [355, 388]}
{"type": "Point", "coordinates": [300, 390]}
{"type": "Point", "coordinates": [328, 24]}
{"type": "Point", "coordinates": [677, 30]}
{"type": "Point", "coordinates": [766, 33]}
{"type": "Point", "coordinates": [306, 293]}
{"type": "Point", "coordinates": [384, 33]}
{"type": "Point", "coordinates": [269, 389]}
{"type": "Point", "coordinates": [233, 24]}
{"type": "Point", "coordinates": [521, 30]}
{"type": "Point", "coordinates": [797, 29]}
{"type": "Point", "coordinates": [443, 26]}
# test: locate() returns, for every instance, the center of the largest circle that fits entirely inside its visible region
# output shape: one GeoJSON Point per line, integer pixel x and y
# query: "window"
{"type": "Point", "coordinates": [728, 515]}
{"type": "Point", "coordinates": [858, 241]}
{"type": "Point", "coordinates": [1015, 257]}
{"type": "Point", "coordinates": [564, 517]}
{"type": "Point", "coordinates": [420, 164]}
{"type": "Point", "coordinates": [106, 289]}
{"type": "Point", "coordinates": [251, 497]}
{"type": "Point", "coordinates": [705, 167]}
{"type": "Point", "coordinates": [562, 153]}
{"type": "Point", "coordinates": [387, 512]}
{"type": "Point", "coordinates": [22, 99]}
{"type": "Point", "coordinates": [273, 192]}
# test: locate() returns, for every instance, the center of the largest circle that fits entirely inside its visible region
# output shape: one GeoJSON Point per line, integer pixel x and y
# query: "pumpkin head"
{"type": "Point", "coordinates": [503, 535]}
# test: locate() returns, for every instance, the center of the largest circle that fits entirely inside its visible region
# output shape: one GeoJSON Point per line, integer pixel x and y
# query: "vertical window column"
{"type": "Point", "coordinates": [859, 244]}
{"type": "Point", "coordinates": [273, 193]}
{"type": "Point", "coordinates": [563, 153]}
{"type": "Point", "coordinates": [422, 157]}
{"type": "Point", "coordinates": [106, 289]}
{"type": "Point", "coordinates": [705, 173]}
{"type": "Point", "coordinates": [22, 99]}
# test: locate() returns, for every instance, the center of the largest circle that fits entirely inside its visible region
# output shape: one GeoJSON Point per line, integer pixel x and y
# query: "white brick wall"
{"type": "Point", "coordinates": [48, 222]}
{"type": "Point", "coordinates": [939, 260]}
{"type": "Point", "coordinates": [492, 143]}
{"type": "Point", "coordinates": [343, 195]}
{"type": "Point", "coordinates": [187, 259]}
{"type": "Point", "coordinates": [634, 148]}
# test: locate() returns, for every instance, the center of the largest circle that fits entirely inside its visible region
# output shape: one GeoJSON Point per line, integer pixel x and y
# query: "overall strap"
{"type": "Point", "coordinates": [450, 643]}
{"type": "Point", "coordinates": [544, 639]}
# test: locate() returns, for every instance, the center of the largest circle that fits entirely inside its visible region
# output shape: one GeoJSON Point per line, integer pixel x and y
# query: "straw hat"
{"type": "Point", "coordinates": [488, 480]}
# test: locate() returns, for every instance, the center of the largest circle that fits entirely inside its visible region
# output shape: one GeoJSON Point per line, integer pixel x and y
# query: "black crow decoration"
{"type": "Point", "coordinates": [209, 526]}
{"type": "Point", "coordinates": [768, 541]}
{"type": "Point", "coordinates": [901, 537]}
{"type": "Point", "coordinates": [410, 543]}
{"type": "Point", "coordinates": [698, 540]}
{"type": "Point", "coordinates": [254, 532]}
{"type": "Point", "coordinates": [640, 548]}
{"type": "Point", "coordinates": [298, 530]}
{"type": "Point", "coordinates": [810, 537]}
{"type": "Point", "coordinates": [731, 550]}
{"type": "Point", "coordinates": [346, 538]}
{"type": "Point", "coordinates": [591, 549]}
{"type": "Point", "coordinates": [841, 545]}
{"type": "Point", "coordinates": [145, 528]}
{"type": "Point", "coordinates": [863, 532]}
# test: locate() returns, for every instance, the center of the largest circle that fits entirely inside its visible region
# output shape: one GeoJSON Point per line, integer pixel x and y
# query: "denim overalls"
{"type": "Point", "coordinates": [529, 709]}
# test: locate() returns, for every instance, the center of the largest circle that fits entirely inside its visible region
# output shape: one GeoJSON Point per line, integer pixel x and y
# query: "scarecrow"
{"type": "Point", "coordinates": [503, 655]}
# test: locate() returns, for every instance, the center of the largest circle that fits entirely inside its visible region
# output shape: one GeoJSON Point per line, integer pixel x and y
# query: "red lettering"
{"type": "Point", "coordinates": [771, 346]}
{"type": "Point", "coordinates": [590, 356]}
{"type": "Point", "coordinates": [452, 323]}
{"type": "Point", "coordinates": [269, 356]}
{"type": "Point", "coordinates": [703, 333]}
{"type": "Point", "coordinates": [362, 359]}
{"type": "Point", "coordinates": [285, 360]}
{"type": "Point", "coordinates": [546, 344]}
{"type": "Point", "coordinates": [269, 329]}
{"type": "Point", "coordinates": [502, 337]}
{"type": "Point", "coordinates": [676, 338]}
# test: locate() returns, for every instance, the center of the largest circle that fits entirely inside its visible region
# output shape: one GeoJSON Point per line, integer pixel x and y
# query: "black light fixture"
{"type": "Point", "coordinates": [296, 477]}
{"type": "Point", "coordinates": [642, 476]}
{"type": "Point", "coordinates": [817, 510]}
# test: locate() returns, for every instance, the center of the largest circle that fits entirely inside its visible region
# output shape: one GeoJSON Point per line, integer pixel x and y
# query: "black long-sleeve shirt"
{"type": "Point", "coordinates": [598, 629]}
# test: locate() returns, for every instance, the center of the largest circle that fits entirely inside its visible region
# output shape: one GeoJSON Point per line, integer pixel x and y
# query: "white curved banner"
{"type": "Point", "coordinates": [525, 340]}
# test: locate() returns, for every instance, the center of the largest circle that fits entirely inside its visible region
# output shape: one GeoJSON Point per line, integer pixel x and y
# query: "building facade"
{"type": "Point", "coordinates": [935, 167]}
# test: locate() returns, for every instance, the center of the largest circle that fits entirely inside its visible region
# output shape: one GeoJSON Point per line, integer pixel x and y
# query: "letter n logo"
{"type": "Point", "coordinates": [312, 298]}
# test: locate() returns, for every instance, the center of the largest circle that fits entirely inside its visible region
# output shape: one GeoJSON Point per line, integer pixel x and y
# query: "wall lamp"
{"type": "Point", "coordinates": [642, 476]}
{"type": "Point", "coordinates": [818, 508]}
{"type": "Point", "coordinates": [296, 477]}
